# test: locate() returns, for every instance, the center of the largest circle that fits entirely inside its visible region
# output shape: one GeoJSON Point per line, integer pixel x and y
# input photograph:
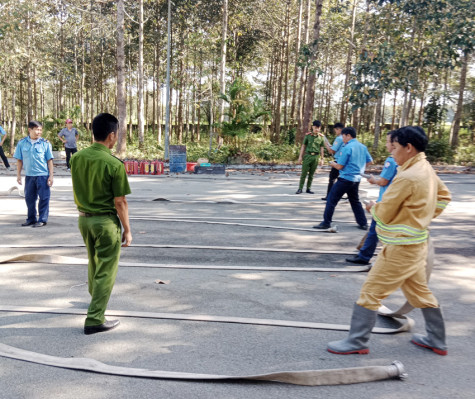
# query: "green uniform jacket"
{"type": "Point", "coordinates": [313, 144]}
{"type": "Point", "coordinates": [98, 177]}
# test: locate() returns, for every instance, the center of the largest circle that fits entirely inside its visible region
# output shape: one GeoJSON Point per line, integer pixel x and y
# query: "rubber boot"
{"type": "Point", "coordinates": [362, 322]}
{"type": "Point", "coordinates": [435, 327]}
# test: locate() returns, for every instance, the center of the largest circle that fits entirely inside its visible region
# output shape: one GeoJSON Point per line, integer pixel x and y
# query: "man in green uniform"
{"type": "Point", "coordinates": [312, 146]}
{"type": "Point", "coordinates": [100, 186]}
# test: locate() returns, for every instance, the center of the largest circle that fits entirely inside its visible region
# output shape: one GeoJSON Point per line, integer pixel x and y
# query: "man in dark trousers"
{"type": "Point", "coordinates": [383, 181]}
{"type": "Point", "coordinates": [312, 148]}
{"type": "Point", "coordinates": [352, 161]}
{"type": "Point", "coordinates": [334, 150]}
{"type": "Point", "coordinates": [100, 186]}
{"type": "Point", "coordinates": [34, 154]}
{"type": "Point", "coordinates": [69, 136]}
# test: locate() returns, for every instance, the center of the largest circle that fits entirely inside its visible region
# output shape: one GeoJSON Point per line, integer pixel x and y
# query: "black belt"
{"type": "Point", "coordinates": [88, 215]}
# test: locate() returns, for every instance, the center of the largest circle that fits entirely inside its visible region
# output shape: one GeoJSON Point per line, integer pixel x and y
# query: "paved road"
{"type": "Point", "coordinates": [172, 210]}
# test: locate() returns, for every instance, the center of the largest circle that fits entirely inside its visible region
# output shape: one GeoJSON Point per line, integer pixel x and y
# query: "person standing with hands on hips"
{"type": "Point", "coordinates": [312, 147]}
{"type": "Point", "coordinates": [68, 136]}
{"type": "Point", "coordinates": [100, 185]}
{"type": "Point", "coordinates": [34, 153]}
{"type": "Point", "coordinates": [3, 136]}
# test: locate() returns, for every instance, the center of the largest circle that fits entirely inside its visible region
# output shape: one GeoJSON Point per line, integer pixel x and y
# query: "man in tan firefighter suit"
{"type": "Point", "coordinates": [415, 197]}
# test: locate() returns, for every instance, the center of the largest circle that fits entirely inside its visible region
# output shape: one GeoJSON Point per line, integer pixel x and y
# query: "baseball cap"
{"type": "Point", "coordinates": [69, 121]}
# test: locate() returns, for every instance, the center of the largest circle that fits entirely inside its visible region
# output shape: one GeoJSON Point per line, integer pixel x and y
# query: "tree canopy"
{"type": "Point", "coordinates": [374, 63]}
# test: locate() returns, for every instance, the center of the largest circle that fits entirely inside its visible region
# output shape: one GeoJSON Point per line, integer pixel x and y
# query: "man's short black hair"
{"type": "Point", "coordinates": [103, 125]}
{"type": "Point", "coordinates": [414, 135]}
{"type": "Point", "coordinates": [349, 130]}
{"type": "Point", "coordinates": [316, 123]}
{"type": "Point", "coordinates": [338, 125]}
{"type": "Point", "coordinates": [33, 124]}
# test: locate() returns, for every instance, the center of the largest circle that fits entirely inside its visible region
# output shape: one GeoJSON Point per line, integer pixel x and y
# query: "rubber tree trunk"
{"type": "Point", "coordinates": [120, 70]}
{"type": "Point", "coordinates": [222, 66]}
{"type": "Point", "coordinates": [344, 99]}
{"type": "Point", "coordinates": [278, 100]}
{"type": "Point", "coordinates": [13, 128]}
{"type": "Point", "coordinates": [303, 75]}
{"type": "Point", "coordinates": [309, 100]}
{"type": "Point", "coordinates": [287, 62]}
{"type": "Point", "coordinates": [296, 68]}
{"type": "Point", "coordinates": [377, 122]}
{"type": "Point", "coordinates": [454, 139]}
{"type": "Point", "coordinates": [140, 104]}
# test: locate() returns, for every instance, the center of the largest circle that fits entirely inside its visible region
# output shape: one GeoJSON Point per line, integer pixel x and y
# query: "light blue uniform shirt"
{"type": "Point", "coordinates": [35, 156]}
{"type": "Point", "coordinates": [389, 172]}
{"type": "Point", "coordinates": [353, 156]}
{"type": "Point", "coordinates": [2, 133]}
{"type": "Point", "coordinates": [337, 144]}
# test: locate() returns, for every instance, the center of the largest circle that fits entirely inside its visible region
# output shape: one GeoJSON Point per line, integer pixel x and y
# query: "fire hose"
{"type": "Point", "coordinates": [305, 377]}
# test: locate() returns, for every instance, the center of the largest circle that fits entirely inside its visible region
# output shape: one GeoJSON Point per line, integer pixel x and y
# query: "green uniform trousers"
{"type": "Point", "coordinates": [309, 166]}
{"type": "Point", "coordinates": [102, 236]}
{"type": "Point", "coordinates": [398, 266]}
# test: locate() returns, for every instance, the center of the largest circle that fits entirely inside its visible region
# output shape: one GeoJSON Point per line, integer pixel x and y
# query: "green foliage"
{"type": "Point", "coordinates": [289, 136]}
{"type": "Point", "coordinates": [370, 77]}
{"type": "Point", "coordinates": [150, 150]}
{"type": "Point", "coordinates": [465, 155]}
{"type": "Point", "coordinates": [194, 151]}
{"type": "Point", "coordinates": [433, 112]}
{"type": "Point", "coordinates": [439, 151]}
{"type": "Point", "coordinates": [244, 109]}
{"type": "Point", "coordinates": [275, 153]}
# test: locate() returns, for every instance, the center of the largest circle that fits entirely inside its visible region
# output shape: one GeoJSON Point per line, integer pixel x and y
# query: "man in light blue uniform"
{"type": "Point", "coordinates": [352, 161]}
{"type": "Point", "coordinates": [334, 150]}
{"type": "Point", "coordinates": [34, 153]}
{"type": "Point", "coordinates": [384, 180]}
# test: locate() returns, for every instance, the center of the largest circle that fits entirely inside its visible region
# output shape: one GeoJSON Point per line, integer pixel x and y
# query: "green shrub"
{"type": "Point", "coordinates": [272, 152]}
{"type": "Point", "coordinates": [465, 155]}
{"type": "Point", "coordinates": [439, 151]}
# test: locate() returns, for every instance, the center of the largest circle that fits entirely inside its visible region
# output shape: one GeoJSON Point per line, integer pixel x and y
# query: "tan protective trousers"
{"type": "Point", "coordinates": [398, 266]}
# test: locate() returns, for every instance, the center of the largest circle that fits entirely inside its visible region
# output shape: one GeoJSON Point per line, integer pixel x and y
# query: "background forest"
{"type": "Point", "coordinates": [246, 76]}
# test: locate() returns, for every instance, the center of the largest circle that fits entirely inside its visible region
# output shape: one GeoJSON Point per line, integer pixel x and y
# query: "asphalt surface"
{"type": "Point", "coordinates": [256, 199]}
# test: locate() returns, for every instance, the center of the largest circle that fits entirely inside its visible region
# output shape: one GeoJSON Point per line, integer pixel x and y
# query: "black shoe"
{"type": "Point", "coordinates": [309, 191]}
{"type": "Point", "coordinates": [358, 260]}
{"type": "Point", "coordinates": [299, 191]}
{"type": "Point", "coordinates": [108, 325]}
{"type": "Point", "coordinates": [39, 224]}
{"type": "Point", "coordinates": [28, 224]}
{"type": "Point", "coordinates": [365, 227]}
{"type": "Point", "coordinates": [324, 198]}
{"type": "Point", "coordinates": [321, 226]}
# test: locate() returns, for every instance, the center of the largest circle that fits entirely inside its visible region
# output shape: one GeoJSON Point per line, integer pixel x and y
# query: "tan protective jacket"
{"type": "Point", "coordinates": [413, 199]}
